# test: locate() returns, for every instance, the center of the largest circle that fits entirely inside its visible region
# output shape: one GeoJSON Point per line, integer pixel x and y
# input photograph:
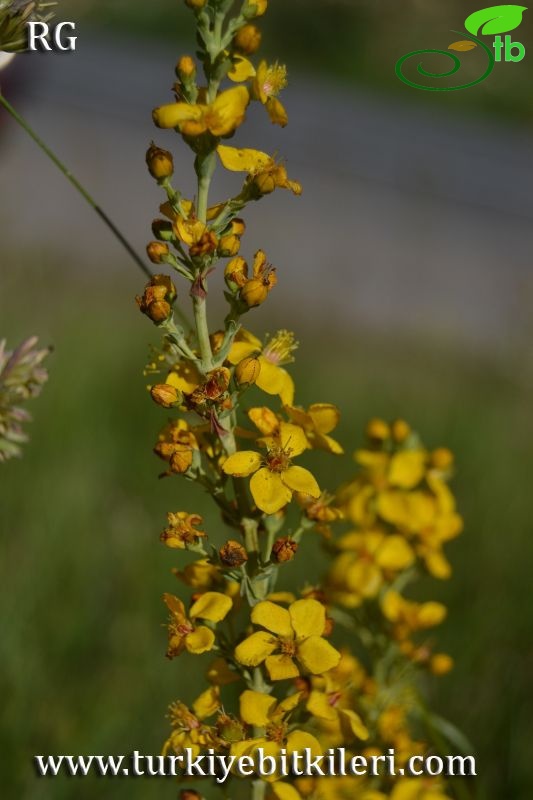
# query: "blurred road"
{"type": "Point", "coordinates": [408, 220]}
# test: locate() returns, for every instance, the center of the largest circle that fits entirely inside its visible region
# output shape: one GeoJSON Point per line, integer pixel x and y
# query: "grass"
{"type": "Point", "coordinates": [82, 570]}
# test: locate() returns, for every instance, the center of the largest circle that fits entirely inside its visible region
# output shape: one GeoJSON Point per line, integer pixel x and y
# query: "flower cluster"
{"type": "Point", "coordinates": [322, 665]}
{"type": "Point", "coordinates": [21, 378]}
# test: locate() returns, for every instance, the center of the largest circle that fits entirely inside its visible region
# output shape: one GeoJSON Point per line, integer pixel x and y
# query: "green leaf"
{"type": "Point", "coordinates": [496, 19]}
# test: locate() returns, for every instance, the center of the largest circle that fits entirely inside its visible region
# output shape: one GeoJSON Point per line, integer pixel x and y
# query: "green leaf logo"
{"type": "Point", "coordinates": [496, 19]}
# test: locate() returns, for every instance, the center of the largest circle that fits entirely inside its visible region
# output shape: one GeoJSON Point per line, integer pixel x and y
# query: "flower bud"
{"type": "Point", "coordinates": [165, 395]}
{"type": "Point", "coordinates": [442, 458]}
{"type": "Point", "coordinates": [181, 460]}
{"type": "Point", "coordinates": [254, 8]}
{"type": "Point", "coordinates": [233, 554]}
{"type": "Point", "coordinates": [229, 246]}
{"type": "Point", "coordinates": [247, 371]}
{"type": "Point", "coordinates": [185, 69]}
{"type": "Point", "coordinates": [238, 226]}
{"type": "Point", "coordinates": [283, 550]}
{"type": "Point", "coordinates": [400, 430]}
{"type": "Point", "coordinates": [441, 664]}
{"type": "Point", "coordinates": [236, 273]}
{"type": "Point", "coordinates": [265, 183]}
{"type": "Point", "coordinates": [157, 298]}
{"type": "Point", "coordinates": [160, 162]}
{"type": "Point", "coordinates": [247, 40]}
{"type": "Point", "coordinates": [157, 251]}
{"type": "Point", "coordinates": [216, 340]}
{"type": "Point", "coordinates": [377, 429]}
{"type": "Point", "coordinates": [254, 292]}
{"type": "Point", "coordinates": [196, 5]}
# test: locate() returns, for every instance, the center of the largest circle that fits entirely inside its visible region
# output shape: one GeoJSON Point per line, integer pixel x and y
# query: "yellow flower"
{"type": "Point", "coordinates": [292, 640]}
{"type": "Point", "coordinates": [265, 712]}
{"type": "Point", "coordinates": [272, 356]}
{"type": "Point", "coordinates": [182, 531]}
{"type": "Point", "coordinates": [274, 477]}
{"type": "Point", "coordinates": [268, 82]}
{"type": "Point", "coordinates": [366, 559]}
{"type": "Point", "coordinates": [264, 172]}
{"type": "Point", "coordinates": [331, 701]}
{"type": "Point", "coordinates": [183, 633]}
{"type": "Point", "coordinates": [220, 118]}
{"type": "Point", "coordinates": [188, 730]}
{"type": "Point", "coordinates": [409, 616]}
{"type": "Point", "coordinates": [318, 421]}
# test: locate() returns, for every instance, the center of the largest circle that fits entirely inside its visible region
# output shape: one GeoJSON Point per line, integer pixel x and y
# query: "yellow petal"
{"type": "Point", "coordinates": [271, 378]}
{"type": "Point", "coordinates": [281, 668]}
{"type": "Point", "coordinates": [242, 70]}
{"type": "Point", "coordinates": [228, 111]}
{"type": "Point", "coordinates": [242, 464]}
{"type": "Point", "coordinates": [207, 703]}
{"type": "Point", "coordinates": [174, 605]}
{"type": "Point", "coordinates": [319, 706]}
{"type": "Point", "coordinates": [293, 438]}
{"type": "Point", "coordinates": [212, 606]}
{"type": "Point", "coordinates": [284, 791]}
{"type": "Point", "coordinates": [272, 617]}
{"type": "Point", "coordinates": [407, 469]}
{"type": "Point", "coordinates": [264, 420]}
{"type": "Point", "coordinates": [256, 708]}
{"type": "Point", "coordinates": [317, 655]}
{"type": "Point", "coordinates": [354, 722]}
{"type": "Point", "coordinates": [325, 416]}
{"type": "Point", "coordinates": [276, 112]}
{"type": "Point", "coordinates": [287, 390]}
{"type": "Point", "coordinates": [174, 115]}
{"type": "Point", "coordinates": [431, 614]}
{"type": "Point", "coordinates": [438, 565]}
{"type": "Point", "coordinates": [253, 650]}
{"type": "Point", "coordinates": [308, 618]}
{"type": "Point", "coordinates": [184, 377]}
{"type": "Point", "coordinates": [300, 480]}
{"type": "Point", "coordinates": [299, 741]}
{"type": "Point", "coordinates": [200, 640]}
{"type": "Point", "coordinates": [243, 159]}
{"type": "Point", "coordinates": [268, 491]}
{"type": "Point", "coordinates": [395, 553]}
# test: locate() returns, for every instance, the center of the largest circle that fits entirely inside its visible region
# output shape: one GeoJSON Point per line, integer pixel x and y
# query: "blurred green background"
{"type": "Point", "coordinates": [82, 571]}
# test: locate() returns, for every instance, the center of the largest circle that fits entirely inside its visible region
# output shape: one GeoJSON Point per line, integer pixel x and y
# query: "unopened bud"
{"type": "Point", "coordinates": [185, 68]}
{"type": "Point", "coordinates": [181, 460]}
{"type": "Point", "coordinates": [247, 40]}
{"type": "Point", "coordinates": [441, 664]}
{"type": "Point", "coordinates": [190, 794]}
{"type": "Point", "coordinates": [157, 298]}
{"type": "Point", "coordinates": [216, 340]}
{"type": "Point", "coordinates": [265, 183]}
{"type": "Point", "coordinates": [377, 429]}
{"type": "Point", "coordinates": [233, 554]}
{"type": "Point", "coordinates": [283, 550]}
{"type": "Point", "coordinates": [442, 458]}
{"type": "Point", "coordinates": [254, 292]}
{"type": "Point", "coordinates": [229, 246]}
{"type": "Point", "coordinates": [254, 8]}
{"type": "Point", "coordinates": [196, 5]}
{"type": "Point", "coordinates": [160, 162]}
{"type": "Point", "coordinates": [400, 430]}
{"type": "Point", "coordinates": [157, 251]}
{"type": "Point", "coordinates": [247, 371]}
{"type": "Point", "coordinates": [165, 395]}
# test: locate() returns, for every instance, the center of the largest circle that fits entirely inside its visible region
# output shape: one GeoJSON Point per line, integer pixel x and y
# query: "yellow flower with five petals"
{"type": "Point", "coordinates": [220, 118]}
{"type": "Point", "coordinates": [291, 642]}
{"type": "Point", "coordinates": [274, 478]}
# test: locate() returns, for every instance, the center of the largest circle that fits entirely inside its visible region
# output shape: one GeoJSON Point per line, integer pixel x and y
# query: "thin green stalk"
{"type": "Point", "coordinates": [75, 182]}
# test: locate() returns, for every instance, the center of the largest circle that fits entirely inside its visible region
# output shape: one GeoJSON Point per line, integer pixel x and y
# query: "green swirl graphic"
{"type": "Point", "coordinates": [456, 66]}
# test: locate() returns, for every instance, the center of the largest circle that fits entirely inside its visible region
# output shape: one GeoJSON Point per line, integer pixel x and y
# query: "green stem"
{"type": "Point", "coordinates": [75, 182]}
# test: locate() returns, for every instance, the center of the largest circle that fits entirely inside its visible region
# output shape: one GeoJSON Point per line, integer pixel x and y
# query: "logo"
{"type": "Point", "coordinates": [493, 21]}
